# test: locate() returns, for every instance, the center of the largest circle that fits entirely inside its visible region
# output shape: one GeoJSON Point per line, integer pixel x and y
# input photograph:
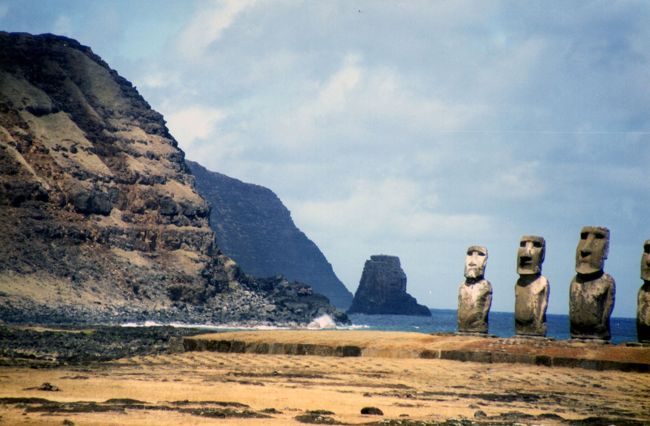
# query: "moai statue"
{"type": "Point", "coordinates": [474, 294]}
{"type": "Point", "coordinates": [643, 306]}
{"type": "Point", "coordinates": [592, 292]}
{"type": "Point", "coordinates": [532, 289]}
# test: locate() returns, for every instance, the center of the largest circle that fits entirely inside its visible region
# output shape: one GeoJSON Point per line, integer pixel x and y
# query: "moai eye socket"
{"type": "Point", "coordinates": [537, 244]}
{"type": "Point", "coordinates": [583, 235]}
{"type": "Point", "coordinates": [646, 248]}
{"type": "Point", "coordinates": [599, 236]}
{"type": "Point", "coordinates": [522, 244]}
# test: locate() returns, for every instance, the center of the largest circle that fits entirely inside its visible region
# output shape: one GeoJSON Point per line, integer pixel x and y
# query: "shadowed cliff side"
{"type": "Point", "coordinates": [254, 228]}
{"type": "Point", "coordinates": [99, 217]}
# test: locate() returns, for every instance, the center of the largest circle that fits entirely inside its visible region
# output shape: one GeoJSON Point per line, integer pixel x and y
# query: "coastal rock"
{"type": "Point", "coordinates": [100, 220]}
{"type": "Point", "coordinates": [255, 229]}
{"type": "Point", "coordinates": [382, 290]}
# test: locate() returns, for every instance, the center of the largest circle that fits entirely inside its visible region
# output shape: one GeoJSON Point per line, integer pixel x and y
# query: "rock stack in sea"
{"type": "Point", "coordinates": [99, 216]}
{"type": "Point", "coordinates": [382, 290]}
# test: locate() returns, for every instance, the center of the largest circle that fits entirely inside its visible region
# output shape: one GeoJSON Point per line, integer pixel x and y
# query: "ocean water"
{"type": "Point", "coordinates": [501, 324]}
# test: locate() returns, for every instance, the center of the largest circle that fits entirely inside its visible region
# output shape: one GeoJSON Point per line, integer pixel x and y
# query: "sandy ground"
{"type": "Point", "coordinates": [284, 387]}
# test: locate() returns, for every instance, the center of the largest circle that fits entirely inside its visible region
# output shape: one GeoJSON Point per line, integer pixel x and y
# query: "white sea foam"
{"type": "Point", "coordinates": [353, 327]}
{"type": "Point", "coordinates": [322, 322]}
{"type": "Point", "coordinates": [227, 326]}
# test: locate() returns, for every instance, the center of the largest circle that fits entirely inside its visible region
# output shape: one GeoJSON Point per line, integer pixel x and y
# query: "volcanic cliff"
{"type": "Point", "coordinates": [99, 216]}
{"type": "Point", "coordinates": [382, 290]}
{"type": "Point", "coordinates": [255, 229]}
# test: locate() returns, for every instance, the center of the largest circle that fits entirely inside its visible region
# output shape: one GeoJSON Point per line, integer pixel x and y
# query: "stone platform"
{"type": "Point", "coordinates": [546, 352]}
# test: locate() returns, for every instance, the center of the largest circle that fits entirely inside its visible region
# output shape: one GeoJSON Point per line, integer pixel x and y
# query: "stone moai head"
{"type": "Point", "coordinates": [530, 255]}
{"type": "Point", "coordinates": [592, 249]}
{"type": "Point", "coordinates": [475, 262]}
{"type": "Point", "coordinates": [645, 261]}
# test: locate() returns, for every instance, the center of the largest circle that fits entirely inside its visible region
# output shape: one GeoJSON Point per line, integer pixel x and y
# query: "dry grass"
{"type": "Point", "coordinates": [143, 142]}
{"type": "Point", "coordinates": [38, 286]}
{"type": "Point", "coordinates": [292, 385]}
{"type": "Point", "coordinates": [22, 93]}
{"type": "Point", "coordinates": [49, 290]}
{"type": "Point", "coordinates": [179, 191]}
{"type": "Point", "coordinates": [190, 262]}
{"type": "Point", "coordinates": [57, 131]}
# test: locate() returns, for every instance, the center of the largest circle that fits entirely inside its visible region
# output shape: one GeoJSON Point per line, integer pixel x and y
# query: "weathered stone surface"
{"type": "Point", "coordinates": [382, 290]}
{"type": "Point", "coordinates": [592, 250]}
{"type": "Point", "coordinates": [254, 228]}
{"type": "Point", "coordinates": [532, 289]}
{"type": "Point", "coordinates": [475, 293]}
{"type": "Point", "coordinates": [546, 352]}
{"type": "Point", "coordinates": [100, 220]}
{"type": "Point", "coordinates": [592, 292]}
{"type": "Point", "coordinates": [643, 305]}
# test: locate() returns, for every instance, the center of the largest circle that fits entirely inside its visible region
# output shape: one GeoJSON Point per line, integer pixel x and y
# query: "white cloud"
{"type": "Point", "coordinates": [301, 125]}
{"type": "Point", "coordinates": [208, 25]}
{"type": "Point", "coordinates": [63, 25]}
{"type": "Point", "coordinates": [334, 95]}
{"type": "Point", "coordinates": [194, 123]}
{"type": "Point", "coordinates": [520, 179]}
{"type": "Point", "coordinates": [510, 68]}
{"type": "Point", "coordinates": [158, 80]}
{"type": "Point", "coordinates": [359, 106]}
{"type": "Point", "coordinates": [391, 208]}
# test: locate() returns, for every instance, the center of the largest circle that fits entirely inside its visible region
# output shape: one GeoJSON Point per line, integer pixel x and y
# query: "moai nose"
{"type": "Point", "coordinates": [529, 248]}
{"type": "Point", "coordinates": [587, 248]}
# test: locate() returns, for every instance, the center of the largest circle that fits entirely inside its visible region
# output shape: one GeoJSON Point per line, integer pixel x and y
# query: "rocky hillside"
{"type": "Point", "coordinates": [382, 290]}
{"type": "Point", "coordinates": [99, 216]}
{"type": "Point", "coordinates": [255, 229]}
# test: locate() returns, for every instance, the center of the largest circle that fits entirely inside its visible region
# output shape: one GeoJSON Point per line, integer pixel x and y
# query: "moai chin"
{"type": "Point", "coordinates": [475, 293]}
{"type": "Point", "coordinates": [532, 288]}
{"type": "Point", "coordinates": [592, 291]}
{"type": "Point", "coordinates": [643, 305]}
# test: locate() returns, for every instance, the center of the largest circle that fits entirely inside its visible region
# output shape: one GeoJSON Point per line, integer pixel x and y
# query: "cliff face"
{"type": "Point", "coordinates": [382, 290]}
{"type": "Point", "coordinates": [254, 228]}
{"type": "Point", "coordinates": [99, 216]}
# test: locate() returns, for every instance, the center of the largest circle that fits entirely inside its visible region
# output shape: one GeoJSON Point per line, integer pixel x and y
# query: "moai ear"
{"type": "Point", "coordinates": [606, 247]}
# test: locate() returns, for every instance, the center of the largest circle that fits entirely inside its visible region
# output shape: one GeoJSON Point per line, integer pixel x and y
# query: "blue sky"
{"type": "Point", "coordinates": [408, 128]}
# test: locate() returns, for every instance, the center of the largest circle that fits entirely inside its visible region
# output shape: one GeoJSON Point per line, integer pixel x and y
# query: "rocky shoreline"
{"type": "Point", "coordinates": [46, 346]}
{"type": "Point", "coordinates": [290, 304]}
